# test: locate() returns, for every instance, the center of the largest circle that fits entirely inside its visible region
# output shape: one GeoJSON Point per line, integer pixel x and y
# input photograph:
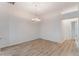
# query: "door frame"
{"type": "Point", "coordinates": [65, 22]}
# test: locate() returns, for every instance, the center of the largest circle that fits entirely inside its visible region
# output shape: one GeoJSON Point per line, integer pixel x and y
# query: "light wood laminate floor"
{"type": "Point", "coordinates": [41, 47]}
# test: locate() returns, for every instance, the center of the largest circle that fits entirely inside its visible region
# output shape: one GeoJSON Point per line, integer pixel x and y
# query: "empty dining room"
{"type": "Point", "coordinates": [39, 28]}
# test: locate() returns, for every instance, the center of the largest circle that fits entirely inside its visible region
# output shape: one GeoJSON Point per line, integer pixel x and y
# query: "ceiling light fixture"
{"type": "Point", "coordinates": [35, 19]}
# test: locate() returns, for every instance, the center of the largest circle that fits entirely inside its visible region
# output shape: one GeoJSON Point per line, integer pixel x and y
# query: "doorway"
{"type": "Point", "coordinates": [70, 29]}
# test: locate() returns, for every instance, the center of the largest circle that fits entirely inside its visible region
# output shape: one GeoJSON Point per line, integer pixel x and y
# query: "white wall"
{"type": "Point", "coordinates": [22, 30]}
{"type": "Point", "coordinates": [4, 29]}
{"type": "Point", "coordinates": [15, 29]}
{"type": "Point", "coordinates": [51, 27]}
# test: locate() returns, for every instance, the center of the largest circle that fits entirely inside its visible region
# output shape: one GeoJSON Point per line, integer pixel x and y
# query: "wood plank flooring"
{"type": "Point", "coordinates": [42, 47]}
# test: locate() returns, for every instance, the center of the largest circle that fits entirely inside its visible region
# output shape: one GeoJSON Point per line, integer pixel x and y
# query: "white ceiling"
{"type": "Point", "coordinates": [41, 8]}
{"type": "Point", "coordinates": [32, 9]}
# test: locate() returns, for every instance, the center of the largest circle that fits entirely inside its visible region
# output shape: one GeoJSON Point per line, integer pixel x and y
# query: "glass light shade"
{"type": "Point", "coordinates": [35, 19]}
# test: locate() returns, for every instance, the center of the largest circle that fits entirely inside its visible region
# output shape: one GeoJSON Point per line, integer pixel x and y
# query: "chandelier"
{"type": "Point", "coordinates": [36, 18]}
